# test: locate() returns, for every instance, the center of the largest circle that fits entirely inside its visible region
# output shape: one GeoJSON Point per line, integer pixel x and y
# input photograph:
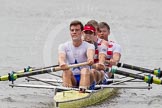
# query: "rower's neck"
{"type": "Point", "coordinates": [95, 39]}
{"type": "Point", "coordinates": [77, 43]}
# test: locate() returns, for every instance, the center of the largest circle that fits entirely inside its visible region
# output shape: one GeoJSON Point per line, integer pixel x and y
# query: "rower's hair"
{"type": "Point", "coordinates": [103, 24]}
{"type": "Point", "coordinates": [77, 22]}
{"type": "Point", "coordinates": [94, 23]}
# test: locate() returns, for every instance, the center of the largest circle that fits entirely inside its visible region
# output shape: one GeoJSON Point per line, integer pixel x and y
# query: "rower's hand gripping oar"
{"type": "Point", "coordinates": [147, 78]}
{"type": "Point", "coordinates": [13, 76]}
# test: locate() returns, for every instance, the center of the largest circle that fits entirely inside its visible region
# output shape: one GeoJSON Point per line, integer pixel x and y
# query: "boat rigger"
{"type": "Point", "coordinates": [70, 97]}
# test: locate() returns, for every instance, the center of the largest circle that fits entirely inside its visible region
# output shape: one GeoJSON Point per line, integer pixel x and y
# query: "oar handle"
{"type": "Point", "coordinates": [70, 66]}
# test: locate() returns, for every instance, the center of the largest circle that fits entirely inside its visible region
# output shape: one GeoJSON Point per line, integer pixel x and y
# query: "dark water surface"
{"type": "Point", "coordinates": [31, 30]}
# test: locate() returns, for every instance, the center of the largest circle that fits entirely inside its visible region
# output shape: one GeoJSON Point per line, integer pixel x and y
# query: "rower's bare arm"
{"type": "Point", "coordinates": [102, 58]}
{"type": "Point", "coordinates": [62, 58]}
{"type": "Point", "coordinates": [115, 59]}
{"type": "Point", "coordinates": [103, 52]}
{"type": "Point", "coordinates": [116, 55]}
{"type": "Point", "coordinates": [90, 55]}
{"type": "Point", "coordinates": [100, 65]}
{"type": "Point", "coordinates": [62, 61]}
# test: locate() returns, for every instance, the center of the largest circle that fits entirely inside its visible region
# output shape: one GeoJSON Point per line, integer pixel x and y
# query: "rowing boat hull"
{"type": "Point", "coordinates": [74, 99]}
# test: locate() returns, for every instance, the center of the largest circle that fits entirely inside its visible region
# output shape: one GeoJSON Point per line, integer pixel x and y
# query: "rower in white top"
{"type": "Point", "coordinates": [113, 49]}
{"type": "Point", "coordinates": [73, 52]}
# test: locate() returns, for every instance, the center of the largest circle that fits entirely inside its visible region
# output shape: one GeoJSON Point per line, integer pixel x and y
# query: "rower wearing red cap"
{"type": "Point", "coordinates": [113, 49]}
{"type": "Point", "coordinates": [89, 33]}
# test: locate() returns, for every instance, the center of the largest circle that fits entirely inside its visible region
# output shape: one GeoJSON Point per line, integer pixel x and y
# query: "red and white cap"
{"type": "Point", "coordinates": [89, 28]}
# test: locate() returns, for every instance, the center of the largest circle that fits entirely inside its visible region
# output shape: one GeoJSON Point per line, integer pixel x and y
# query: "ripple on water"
{"type": "Point", "coordinates": [8, 99]}
{"type": "Point", "coordinates": [155, 101]}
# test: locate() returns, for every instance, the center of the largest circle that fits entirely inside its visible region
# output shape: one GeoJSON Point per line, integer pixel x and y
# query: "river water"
{"type": "Point", "coordinates": [31, 30]}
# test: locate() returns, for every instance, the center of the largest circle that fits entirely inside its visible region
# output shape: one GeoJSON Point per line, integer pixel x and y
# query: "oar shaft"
{"type": "Point", "coordinates": [37, 79]}
{"type": "Point", "coordinates": [14, 76]}
{"type": "Point", "coordinates": [53, 69]}
{"type": "Point", "coordinates": [129, 74]}
{"type": "Point", "coordinates": [147, 78]}
{"type": "Point", "coordinates": [156, 72]}
{"type": "Point", "coordinates": [135, 68]}
{"type": "Point", "coordinates": [29, 69]}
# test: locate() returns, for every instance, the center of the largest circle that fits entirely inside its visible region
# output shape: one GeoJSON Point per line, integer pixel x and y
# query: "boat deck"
{"type": "Point", "coordinates": [74, 99]}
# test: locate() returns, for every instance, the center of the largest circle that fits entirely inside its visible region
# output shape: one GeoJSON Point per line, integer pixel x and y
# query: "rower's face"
{"type": "Point", "coordinates": [88, 36]}
{"type": "Point", "coordinates": [75, 32]}
{"type": "Point", "coordinates": [103, 33]}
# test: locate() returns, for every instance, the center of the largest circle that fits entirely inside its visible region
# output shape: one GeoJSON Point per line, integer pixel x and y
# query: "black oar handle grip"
{"type": "Point", "coordinates": [119, 64]}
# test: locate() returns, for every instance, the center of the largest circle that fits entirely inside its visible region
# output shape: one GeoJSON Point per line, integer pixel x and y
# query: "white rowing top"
{"type": "Point", "coordinates": [74, 54]}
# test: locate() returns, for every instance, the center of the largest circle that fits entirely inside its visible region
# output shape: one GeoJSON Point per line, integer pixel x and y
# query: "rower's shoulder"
{"type": "Point", "coordinates": [89, 45]}
{"type": "Point", "coordinates": [113, 43]}
{"type": "Point", "coordinates": [66, 43]}
{"type": "Point", "coordinates": [115, 46]}
{"type": "Point", "coordinates": [86, 43]}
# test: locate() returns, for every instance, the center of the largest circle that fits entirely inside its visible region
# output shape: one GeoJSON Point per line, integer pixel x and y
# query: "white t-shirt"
{"type": "Point", "coordinates": [116, 48]}
{"type": "Point", "coordinates": [74, 54]}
